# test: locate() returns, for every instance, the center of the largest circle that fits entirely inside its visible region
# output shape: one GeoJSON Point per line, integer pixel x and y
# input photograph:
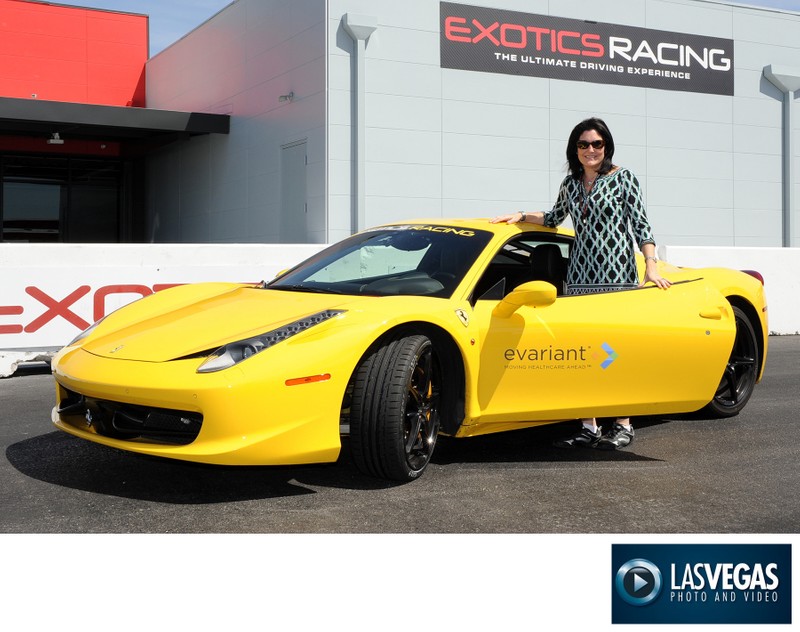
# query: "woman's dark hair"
{"type": "Point", "coordinates": [599, 126]}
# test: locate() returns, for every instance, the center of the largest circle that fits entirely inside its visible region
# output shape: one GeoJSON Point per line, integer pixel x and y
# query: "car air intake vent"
{"type": "Point", "coordinates": [127, 421]}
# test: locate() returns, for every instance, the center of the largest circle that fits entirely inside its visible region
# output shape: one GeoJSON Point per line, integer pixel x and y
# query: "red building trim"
{"type": "Point", "coordinates": [59, 53]}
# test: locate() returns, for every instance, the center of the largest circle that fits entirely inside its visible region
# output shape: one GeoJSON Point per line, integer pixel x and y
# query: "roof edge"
{"type": "Point", "coordinates": [39, 111]}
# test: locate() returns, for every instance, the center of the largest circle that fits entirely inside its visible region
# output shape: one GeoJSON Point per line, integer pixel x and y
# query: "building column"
{"type": "Point", "coordinates": [787, 80]}
{"type": "Point", "coordinates": [359, 27]}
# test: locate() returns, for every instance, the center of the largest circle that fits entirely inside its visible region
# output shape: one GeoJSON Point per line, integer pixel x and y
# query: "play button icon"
{"type": "Point", "coordinates": [638, 582]}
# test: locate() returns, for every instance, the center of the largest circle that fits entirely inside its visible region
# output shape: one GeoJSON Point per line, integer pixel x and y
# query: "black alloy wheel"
{"type": "Point", "coordinates": [394, 415]}
{"type": "Point", "coordinates": [740, 374]}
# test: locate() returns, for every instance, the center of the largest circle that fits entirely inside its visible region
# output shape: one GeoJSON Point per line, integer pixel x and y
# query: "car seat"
{"type": "Point", "coordinates": [548, 264]}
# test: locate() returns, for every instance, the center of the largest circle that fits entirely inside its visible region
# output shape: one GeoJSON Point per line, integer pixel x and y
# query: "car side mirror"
{"type": "Point", "coordinates": [532, 294]}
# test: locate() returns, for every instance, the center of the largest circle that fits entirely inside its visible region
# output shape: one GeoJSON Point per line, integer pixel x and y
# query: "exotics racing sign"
{"type": "Point", "coordinates": [509, 42]}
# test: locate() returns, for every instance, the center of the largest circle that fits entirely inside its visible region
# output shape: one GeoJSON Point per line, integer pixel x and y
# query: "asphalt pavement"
{"type": "Point", "coordinates": [682, 474]}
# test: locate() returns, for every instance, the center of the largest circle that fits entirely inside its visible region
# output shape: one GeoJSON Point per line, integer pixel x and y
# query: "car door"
{"type": "Point", "coordinates": [634, 352]}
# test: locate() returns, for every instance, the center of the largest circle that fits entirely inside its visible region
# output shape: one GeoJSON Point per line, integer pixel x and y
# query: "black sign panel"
{"type": "Point", "coordinates": [510, 42]}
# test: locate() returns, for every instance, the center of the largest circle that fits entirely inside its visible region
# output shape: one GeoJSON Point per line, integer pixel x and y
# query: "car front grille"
{"type": "Point", "coordinates": [129, 421]}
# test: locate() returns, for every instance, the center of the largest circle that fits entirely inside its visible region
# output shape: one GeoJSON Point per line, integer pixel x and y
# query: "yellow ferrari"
{"type": "Point", "coordinates": [401, 333]}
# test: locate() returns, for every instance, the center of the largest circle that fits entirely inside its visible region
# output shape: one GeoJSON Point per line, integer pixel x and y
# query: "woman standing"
{"type": "Point", "coordinates": [605, 204]}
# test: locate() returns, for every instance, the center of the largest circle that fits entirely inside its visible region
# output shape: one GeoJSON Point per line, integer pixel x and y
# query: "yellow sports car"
{"type": "Point", "coordinates": [400, 333]}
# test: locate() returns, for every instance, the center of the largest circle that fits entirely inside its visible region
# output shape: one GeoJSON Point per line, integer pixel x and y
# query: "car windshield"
{"type": "Point", "coordinates": [409, 260]}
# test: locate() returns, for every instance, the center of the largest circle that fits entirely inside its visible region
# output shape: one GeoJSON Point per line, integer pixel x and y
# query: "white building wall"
{"type": "Point", "coordinates": [443, 142]}
{"type": "Point", "coordinates": [227, 188]}
{"type": "Point", "coordinates": [403, 113]}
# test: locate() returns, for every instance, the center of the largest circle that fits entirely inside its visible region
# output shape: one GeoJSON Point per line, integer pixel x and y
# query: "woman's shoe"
{"type": "Point", "coordinates": [583, 439]}
{"type": "Point", "coordinates": [618, 437]}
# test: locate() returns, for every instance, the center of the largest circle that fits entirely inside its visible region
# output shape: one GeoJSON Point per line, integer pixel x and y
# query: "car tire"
{"type": "Point", "coordinates": [394, 414]}
{"type": "Point", "coordinates": [739, 378]}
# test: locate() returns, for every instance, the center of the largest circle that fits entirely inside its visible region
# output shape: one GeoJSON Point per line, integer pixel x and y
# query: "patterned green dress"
{"type": "Point", "coordinates": [603, 257]}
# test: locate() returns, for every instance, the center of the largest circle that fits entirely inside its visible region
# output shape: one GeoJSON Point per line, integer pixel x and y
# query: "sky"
{"type": "Point", "coordinates": [172, 19]}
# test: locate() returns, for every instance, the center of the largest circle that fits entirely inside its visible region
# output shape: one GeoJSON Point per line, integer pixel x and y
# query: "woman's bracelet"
{"type": "Point", "coordinates": [522, 216]}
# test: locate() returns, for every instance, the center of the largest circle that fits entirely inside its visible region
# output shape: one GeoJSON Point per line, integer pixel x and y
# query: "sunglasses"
{"type": "Point", "coordinates": [596, 144]}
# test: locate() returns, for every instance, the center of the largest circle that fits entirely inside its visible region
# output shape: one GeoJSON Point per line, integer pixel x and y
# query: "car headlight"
{"type": "Point", "coordinates": [234, 352]}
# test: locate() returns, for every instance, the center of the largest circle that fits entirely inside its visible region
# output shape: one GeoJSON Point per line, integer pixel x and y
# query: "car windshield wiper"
{"type": "Point", "coordinates": [297, 287]}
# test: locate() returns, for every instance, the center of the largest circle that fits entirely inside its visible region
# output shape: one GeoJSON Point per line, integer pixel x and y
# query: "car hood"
{"type": "Point", "coordinates": [200, 318]}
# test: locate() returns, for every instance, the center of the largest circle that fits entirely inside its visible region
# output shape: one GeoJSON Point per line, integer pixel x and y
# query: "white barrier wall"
{"type": "Point", "coordinates": [49, 293]}
{"type": "Point", "coordinates": [778, 266]}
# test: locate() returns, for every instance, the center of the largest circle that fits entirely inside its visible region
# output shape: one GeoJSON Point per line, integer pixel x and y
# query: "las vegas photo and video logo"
{"type": "Point", "coordinates": [697, 583]}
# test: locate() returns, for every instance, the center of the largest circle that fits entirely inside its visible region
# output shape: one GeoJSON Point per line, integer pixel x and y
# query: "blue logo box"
{"type": "Point", "coordinates": [701, 583]}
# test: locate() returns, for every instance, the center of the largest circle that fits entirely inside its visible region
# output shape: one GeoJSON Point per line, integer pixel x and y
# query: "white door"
{"type": "Point", "coordinates": [294, 204]}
